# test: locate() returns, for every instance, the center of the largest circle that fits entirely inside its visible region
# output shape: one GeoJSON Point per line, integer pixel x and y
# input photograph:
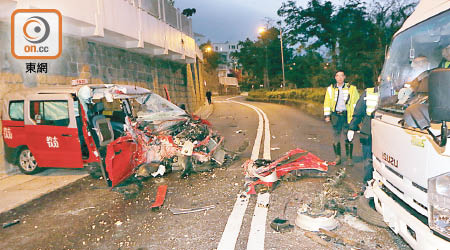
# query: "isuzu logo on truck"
{"type": "Point", "coordinates": [391, 160]}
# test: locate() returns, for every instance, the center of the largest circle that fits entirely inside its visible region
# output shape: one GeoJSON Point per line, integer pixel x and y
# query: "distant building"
{"type": "Point", "coordinates": [228, 83]}
{"type": "Point", "coordinates": [225, 49]}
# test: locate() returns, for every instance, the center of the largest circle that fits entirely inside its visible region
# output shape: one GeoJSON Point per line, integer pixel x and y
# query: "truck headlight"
{"type": "Point", "coordinates": [439, 204]}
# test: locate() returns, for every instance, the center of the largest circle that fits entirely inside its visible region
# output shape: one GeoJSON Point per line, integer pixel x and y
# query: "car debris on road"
{"type": "Point", "coordinates": [265, 174]}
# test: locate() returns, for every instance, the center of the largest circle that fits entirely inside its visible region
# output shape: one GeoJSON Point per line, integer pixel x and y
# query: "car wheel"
{"type": "Point", "coordinates": [27, 162]}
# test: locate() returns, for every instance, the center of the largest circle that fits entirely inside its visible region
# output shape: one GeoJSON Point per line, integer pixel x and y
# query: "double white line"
{"type": "Point", "coordinates": [258, 226]}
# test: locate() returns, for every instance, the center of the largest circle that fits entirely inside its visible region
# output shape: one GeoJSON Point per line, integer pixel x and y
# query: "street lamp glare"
{"type": "Point", "coordinates": [261, 30]}
{"type": "Point", "coordinates": [208, 49]}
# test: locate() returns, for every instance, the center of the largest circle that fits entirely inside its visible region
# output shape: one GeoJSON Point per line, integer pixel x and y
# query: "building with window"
{"type": "Point", "coordinates": [225, 49]}
{"type": "Point", "coordinates": [228, 84]}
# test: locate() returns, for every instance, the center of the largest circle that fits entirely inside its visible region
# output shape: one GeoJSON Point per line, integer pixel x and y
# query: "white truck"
{"type": "Point", "coordinates": [411, 156]}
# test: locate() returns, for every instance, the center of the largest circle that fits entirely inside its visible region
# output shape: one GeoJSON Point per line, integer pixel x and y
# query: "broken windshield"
{"type": "Point", "coordinates": [413, 53]}
{"type": "Point", "coordinates": [154, 107]}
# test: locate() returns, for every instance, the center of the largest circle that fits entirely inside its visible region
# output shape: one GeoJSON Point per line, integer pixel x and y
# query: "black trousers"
{"type": "Point", "coordinates": [339, 124]}
{"type": "Point", "coordinates": [366, 144]}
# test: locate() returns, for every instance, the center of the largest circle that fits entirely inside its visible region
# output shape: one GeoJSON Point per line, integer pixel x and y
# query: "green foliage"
{"type": "Point", "coordinates": [254, 56]}
{"type": "Point", "coordinates": [212, 59]}
{"type": "Point", "coordinates": [355, 35]}
{"type": "Point", "coordinates": [189, 12]}
{"type": "Point", "coordinates": [305, 94]}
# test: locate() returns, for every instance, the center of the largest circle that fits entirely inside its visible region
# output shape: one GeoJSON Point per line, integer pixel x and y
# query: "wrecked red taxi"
{"type": "Point", "coordinates": [111, 130]}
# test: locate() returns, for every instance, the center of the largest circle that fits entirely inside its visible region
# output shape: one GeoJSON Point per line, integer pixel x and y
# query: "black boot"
{"type": "Point", "coordinates": [349, 152]}
{"type": "Point", "coordinates": [337, 152]}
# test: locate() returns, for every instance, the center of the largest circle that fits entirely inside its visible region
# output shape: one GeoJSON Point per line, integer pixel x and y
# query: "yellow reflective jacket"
{"type": "Point", "coordinates": [351, 94]}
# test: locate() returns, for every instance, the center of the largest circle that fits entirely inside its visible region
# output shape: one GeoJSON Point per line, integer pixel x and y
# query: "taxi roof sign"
{"type": "Point", "coordinates": [77, 82]}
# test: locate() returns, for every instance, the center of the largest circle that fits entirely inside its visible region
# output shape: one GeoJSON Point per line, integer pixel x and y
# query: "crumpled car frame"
{"type": "Point", "coordinates": [267, 173]}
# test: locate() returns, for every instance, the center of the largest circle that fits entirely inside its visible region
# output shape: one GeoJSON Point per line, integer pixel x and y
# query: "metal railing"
{"type": "Point", "coordinates": [162, 10]}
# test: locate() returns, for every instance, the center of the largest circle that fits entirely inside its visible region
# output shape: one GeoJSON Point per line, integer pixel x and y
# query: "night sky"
{"type": "Point", "coordinates": [231, 20]}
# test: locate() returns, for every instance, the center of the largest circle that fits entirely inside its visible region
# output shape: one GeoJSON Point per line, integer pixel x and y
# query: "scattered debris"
{"type": "Point", "coordinates": [190, 210]}
{"type": "Point", "coordinates": [281, 224]}
{"type": "Point", "coordinates": [357, 223]}
{"type": "Point", "coordinates": [118, 223]}
{"type": "Point", "coordinates": [160, 196]}
{"type": "Point", "coordinates": [76, 212]}
{"type": "Point", "coordinates": [238, 131]}
{"type": "Point", "coordinates": [318, 215]}
{"type": "Point", "coordinates": [338, 237]}
{"type": "Point", "coordinates": [8, 224]}
{"type": "Point", "coordinates": [314, 222]}
{"type": "Point", "coordinates": [297, 161]}
{"type": "Point", "coordinates": [319, 240]}
{"type": "Point", "coordinates": [274, 148]}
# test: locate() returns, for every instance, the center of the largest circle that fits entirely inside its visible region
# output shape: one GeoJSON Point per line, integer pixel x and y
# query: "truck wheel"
{"type": "Point", "coordinates": [369, 214]}
{"type": "Point", "coordinates": [27, 163]}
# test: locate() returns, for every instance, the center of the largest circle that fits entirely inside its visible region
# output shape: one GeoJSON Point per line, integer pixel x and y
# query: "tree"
{"type": "Point", "coordinates": [352, 37]}
{"type": "Point", "coordinates": [252, 57]}
{"type": "Point", "coordinates": [212, 59]}
{"type": "Point", "coordinates": [189, 12]}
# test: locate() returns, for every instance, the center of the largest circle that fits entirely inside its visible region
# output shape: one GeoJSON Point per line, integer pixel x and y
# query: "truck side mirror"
{"type": "Point", "coordinates": [439, 100]}
{"type": "Point", "coordinates": [439, 95]}
{"type": "Point", "coordinates": [417, 116]}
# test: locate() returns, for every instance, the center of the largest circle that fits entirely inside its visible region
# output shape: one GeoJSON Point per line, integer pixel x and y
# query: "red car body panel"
{"type": "Point", "coordinates": [14, 133]}
{"type": "Point", "coordinates": [54, 146]}
{"type": "Point", "coordinates": [119, 160]}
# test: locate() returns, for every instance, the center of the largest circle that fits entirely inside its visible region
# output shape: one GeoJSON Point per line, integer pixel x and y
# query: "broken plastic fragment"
{"type": "Point", "coordinates": [161, 171]}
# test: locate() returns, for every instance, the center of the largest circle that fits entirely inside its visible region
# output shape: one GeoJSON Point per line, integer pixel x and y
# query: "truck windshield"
{"type": "Point", "coordinates": [413, 53]}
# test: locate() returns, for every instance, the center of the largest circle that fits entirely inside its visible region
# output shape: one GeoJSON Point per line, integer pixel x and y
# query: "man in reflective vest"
{"type": "Point", "coordinates": [338, 106]}
{"type": "Point", "coordinates": [364, 112]}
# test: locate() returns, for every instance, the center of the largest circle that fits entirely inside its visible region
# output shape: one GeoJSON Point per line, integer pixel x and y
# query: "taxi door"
{"type": "Point", "coordinates": [51, 129]}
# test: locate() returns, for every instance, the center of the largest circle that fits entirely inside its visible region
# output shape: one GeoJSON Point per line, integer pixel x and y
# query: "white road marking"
{"type": "Point", "coordinates": [266, 153]}
{"type": "Point", "coordinates": [233, 227]}
{"type": "Point", "coordinates": [257, 144]}
{"type": "Point", "coordinates": [234, 223]}
{"type": "Point", "coordinates": [258, 227]}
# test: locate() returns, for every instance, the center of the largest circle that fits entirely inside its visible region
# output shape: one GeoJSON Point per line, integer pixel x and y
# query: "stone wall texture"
{"type": "Point", "coordinates": [99, 63]}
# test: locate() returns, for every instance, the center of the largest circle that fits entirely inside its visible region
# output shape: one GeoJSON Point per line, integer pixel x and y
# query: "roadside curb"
{"type": "Point", "coordinates": [19, 189]}
{"type": "Point", "coordinates": [205, 111]}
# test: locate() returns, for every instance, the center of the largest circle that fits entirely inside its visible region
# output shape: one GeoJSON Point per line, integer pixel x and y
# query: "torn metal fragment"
{"type": "Point", "coordinates": [160, 196]}
{"type": "Point", "coordinates": [8, 224]}
{"type": "Point", "coordinates": [190, 210]}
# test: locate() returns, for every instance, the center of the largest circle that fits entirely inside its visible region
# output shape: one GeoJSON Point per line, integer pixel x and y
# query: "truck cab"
{"type": "Point", "coordinates": [411, 158]}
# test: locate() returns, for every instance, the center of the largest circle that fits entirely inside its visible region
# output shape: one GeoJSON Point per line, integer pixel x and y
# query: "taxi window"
{"type": "Point", "coordinates": [16, 110]}
{"type": "Point", "coordinates": [54, 113]}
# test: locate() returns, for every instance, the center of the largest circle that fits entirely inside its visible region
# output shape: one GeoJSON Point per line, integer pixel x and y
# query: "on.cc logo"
{"type": "Point", "coordinates": [36, 34]}
{"type": "Point", "coordinates": [36, 29]}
